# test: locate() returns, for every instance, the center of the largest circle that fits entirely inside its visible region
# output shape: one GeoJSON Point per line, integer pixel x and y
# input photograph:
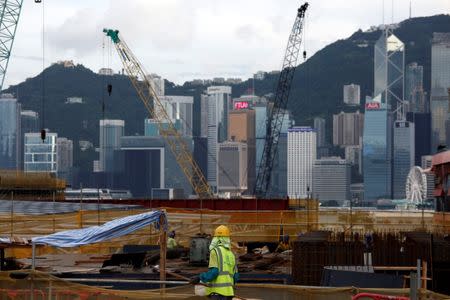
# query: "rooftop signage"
{"type": "Point", "coordinates": [241, 105]}
{"type": "Point", "coordinates": [373, 105]}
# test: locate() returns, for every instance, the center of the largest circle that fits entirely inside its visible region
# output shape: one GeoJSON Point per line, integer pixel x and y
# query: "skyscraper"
{"type": "Point", "coordinates": [10, 142]}
{"type": "Point", "coordinates": [319, 126]}
{"type": "Point", "coordinates": [389, 65]}
{"type": "Point", "coordinates": [179, 110]}
{"type": "Point", "coordinates": [157, 83]}
{"type": "Point", "coordinates": [422, 129]}
{"type": "Point", "coordinates": [404, 156]}
{"type": "Point", "coordinates": [347, 128]}
{"type": "Point", "coordinates": [41, 156]}
{"type": "Point", "coordinates": [440, 81]}
{"type": "Point", "coordinates": [29, 122]}
{"type": "Point", "coordinates": [219, 98]}
{"type": "Point", "coordinates": [301, 153]}
{"type": "Point", "coordinates": [64, 158]}
{"type": "Point", "coordinates": [331, 179]}
{"type": "Point", "coordinates": [352, 94]}
{"type": "Point", "coordinates": [232, 176]}
{"type": "Point", "coordinates": [110, 133]}
{"type": "Point", "coordinates": [414, 92]}
{"type": "Point", "coordinates": [377, 152]}
{"type": "Point", "coordinates": [241, 128]}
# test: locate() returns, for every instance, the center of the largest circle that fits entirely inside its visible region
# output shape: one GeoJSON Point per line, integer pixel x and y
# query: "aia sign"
{"type": "Point", "coordinates": [373, 105]}
{"type": "Point", "coordinates": [240, 105]}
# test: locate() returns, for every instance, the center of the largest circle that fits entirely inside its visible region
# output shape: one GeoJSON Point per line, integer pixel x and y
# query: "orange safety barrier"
{"type": "Point", "coordinates": [378, 297]}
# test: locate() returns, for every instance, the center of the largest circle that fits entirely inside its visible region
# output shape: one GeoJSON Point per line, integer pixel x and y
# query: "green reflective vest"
{"type": "Point", "coordinates": [224, 282]}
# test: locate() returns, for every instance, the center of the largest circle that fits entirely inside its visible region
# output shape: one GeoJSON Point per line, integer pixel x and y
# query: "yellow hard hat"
{"type": "Point", "coordinates": [222, 230]}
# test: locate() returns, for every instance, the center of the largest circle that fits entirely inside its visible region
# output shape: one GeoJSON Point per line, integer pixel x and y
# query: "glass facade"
{"type": "Point", "coordinates": [151, 127]}
{"type": "Point", "coordinates": [403, 156]}
{"type": "Point", "coordinates": [110, 133]}
{"type": "Point", "coordinates": [40, 156]}
{"type": "Point", "coordinates": [10, 142]}
{"type": "Point", "coordinates": [377, 152]}
{"type": "Point", "coordinates": [414, 88]}
{"type": "Point", "coordinates": [179, 110]}
{"type": "Point", "coordinates": [389, 69]}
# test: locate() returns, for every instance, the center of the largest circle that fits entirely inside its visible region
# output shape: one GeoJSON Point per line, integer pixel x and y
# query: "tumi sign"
{"type": "Point", "coordinates": [372, 105]}
{"type": "Point", "coordinates": [240, 105]}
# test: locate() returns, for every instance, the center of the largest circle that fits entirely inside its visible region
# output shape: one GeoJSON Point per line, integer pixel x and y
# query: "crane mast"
{"type": "Point", "coordinates": [276, 114]}
{"type": "Point", "coordinates": [156, 110]}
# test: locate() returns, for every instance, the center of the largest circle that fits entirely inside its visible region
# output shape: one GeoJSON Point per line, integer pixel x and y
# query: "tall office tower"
{"type": "Point", "coordinates": [204, 115]}
{"type": "Point", "coordinates": [331, 179]}
{"type": "Point", "coordinates": [319, 126]}
{"type": "Point", "coordinates": [278, 185]}
{"type": "Point", "coordinates": [40, 156]}
{"type": "Point", "coordinates": [10, 142]}
{"type": "Point", "coordinates": [440, 81]}
{"type": "Point", "coordinates": [110, 133]}
{"type": "Point", "coordinates": [354, 156]}
{"type": "Point", "coordinates": [241, 128]}
{"type": "Point", "coordinates": [179, 110]}
{"type": "Point", "coordinates": [352, 94]}
{"type": "Point", "coordinates": [426, 163]}
{"type": "Point", "coordinates": [64, 158]}
{"type": "Point", "coordinates": [139, 165]}
{"type": "Point", "coordinates": [29, 122]}
{"type": "Point", "coordinates": [377, 152]}
{"type": "Point", "coordinates": [404, 156]}
{"type": "Point", "coordinates": [157, 83]}
{"type": "Point", "coordinates": [219, 98]}
{"type": "Point", "coordinates": [301, 153]}
{"type": "Point", "coordinates": [347, 128]}
{"type": "Point", "coordinates": [414, 92]}
{"type": "Point", "coordinates": [422, 139]}
{"type": "Point", "coordinates": [261, 115]}
{"type": "Point", "coordinates": [389, 72]}
{"type": "Point", "coordinates": [232, 175]}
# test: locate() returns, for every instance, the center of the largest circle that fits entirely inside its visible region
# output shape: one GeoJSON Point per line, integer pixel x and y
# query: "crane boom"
{"type": "Point", "coordinates": [153, 104]}
{"type": "Point", "coordinates": [276, 115]}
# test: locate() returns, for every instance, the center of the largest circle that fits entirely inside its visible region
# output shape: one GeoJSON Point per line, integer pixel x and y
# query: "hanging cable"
{"type": "Point", "coordinates": [43, 132]}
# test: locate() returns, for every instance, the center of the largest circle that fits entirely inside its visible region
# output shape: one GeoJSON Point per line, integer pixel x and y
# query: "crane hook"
{"type": "Point", "coordinates": [109, 89]}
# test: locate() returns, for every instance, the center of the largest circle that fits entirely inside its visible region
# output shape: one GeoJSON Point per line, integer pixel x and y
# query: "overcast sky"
{"type": "Point", "coordinates": [186, 39]}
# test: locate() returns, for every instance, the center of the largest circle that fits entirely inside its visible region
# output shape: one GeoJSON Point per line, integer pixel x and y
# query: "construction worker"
{"type": "Point", "coordinates": [222, 272]}
{"type": "Point", "coordinates": [171, 242]}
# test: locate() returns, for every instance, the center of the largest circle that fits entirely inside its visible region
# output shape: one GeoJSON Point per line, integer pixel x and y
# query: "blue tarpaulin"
{"type": "Point", "coordinates": [109, 230]}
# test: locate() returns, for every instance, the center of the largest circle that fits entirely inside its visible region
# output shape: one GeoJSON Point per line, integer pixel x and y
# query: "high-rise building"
{"type": "Point", "coordinates": [319, 126]}
{"type": "Point", "coordinates": [427, 163]}
{"type": "Point", "coordinates": [440, 81]}
{"type": "Point", "coordinates": [232, 175]}
{"type": "Point", "coordinates": [377, 152]}
{"type": "Point", "coordinates": [10, 141]}
{"type": "Point", "coordinates": [157, 83]}
{"type": "Point", "coordinates": [301, 153]}
{"type": "Point", "coordinates": [110, 133]}
{"type": "Point", "coordinates": [352, 94]}
{"type": "Point", "coordinates": [414, 92]}
{"type": "Point", "coordinates": [219, 98]}
{"type": "Point", "coordinates": [241, 128]}
{"type": "Point", "coordinates": [348, 128]}
{"type": "Point", "coordinates": [404, 156]}
{"type": "Point", "coordinates": [422, 129]}
{"type": "Point", "coordinates": [40, 156]}
{"type": "Point", "coordinates": [203, 115]}
{"type": "Point", "coordinates": [179, 110]}
{"type": "Point", "coordinates": [331, 180]}
{"type": "Point", "coordinates": [152, 126]}
{"type": "Point", "coordinates": [29, 122]}
{"type": "Point", "coordinates": [139, 165]}
{"type": "Point", "coordinates": [261, 115]}
{"type": "Point", "coordinates": [353, 154]}
{"type": "Point", "coordinates": [278, 187]}
{"type": "Point", "coordinates": [64, 158]}
{"type": "Point", "coordinates": [389, 65]}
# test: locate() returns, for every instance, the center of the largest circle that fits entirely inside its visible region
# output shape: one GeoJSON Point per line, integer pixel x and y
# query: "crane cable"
{"type": "Point", "coordinates": [43, 132]}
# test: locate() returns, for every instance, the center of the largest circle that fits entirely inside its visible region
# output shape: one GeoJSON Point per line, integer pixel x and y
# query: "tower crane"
{"type": "Point", "coordinates": [9, 18]}
{"type": "Point", "coordinates": [152, 103]}
{"type": "Point", "coordinates": [276, 114]}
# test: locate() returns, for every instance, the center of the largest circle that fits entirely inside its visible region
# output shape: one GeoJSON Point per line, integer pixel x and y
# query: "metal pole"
{"type": "Point", "coordinates": [419, 277]}
{"type": "Point", "coordinates": [54, 212]}
{"type": "Point", "coordinates": [12, 213]}
{"type": "Point", "coordinates": [81, 205]}
{"type": "Point", "coordinates": [163, 252]}
{"type": "Point", "coordinates": [33, 255]}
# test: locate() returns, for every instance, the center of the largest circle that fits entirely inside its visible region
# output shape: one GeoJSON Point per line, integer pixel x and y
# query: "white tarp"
{"type": "Point", "coordinates": [95, 234]}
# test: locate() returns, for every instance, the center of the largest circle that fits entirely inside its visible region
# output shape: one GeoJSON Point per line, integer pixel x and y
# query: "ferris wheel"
{"type": "Point", "coordinates": [416, 185]}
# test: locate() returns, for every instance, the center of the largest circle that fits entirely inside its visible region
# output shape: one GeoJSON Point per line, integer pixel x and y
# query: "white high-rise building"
{"type": "Point", "coordinates": [352, 94]}
{"type": "Point", "coordinates": [10, 141]}
{"type": "Point", "coordinates": [219, 99]}
{"type": "Point", "coordinates": [179, 110]}
{"type": "Point", "coordinates": [157, 83]}
{"type": "Point", "coordinates": [232, 176]}
{"type": "Point", "coordinates": [301, 154]}
{"type": "Point", "coordinates": [40, 156]}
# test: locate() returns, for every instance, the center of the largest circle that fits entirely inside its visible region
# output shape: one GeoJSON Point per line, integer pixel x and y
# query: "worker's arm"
{"type": "Point", "coordinates": [213, 268]}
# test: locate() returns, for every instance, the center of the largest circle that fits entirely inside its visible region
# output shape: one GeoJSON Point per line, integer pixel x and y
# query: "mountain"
{"type": "Point", "coordinates": [316, 89]}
